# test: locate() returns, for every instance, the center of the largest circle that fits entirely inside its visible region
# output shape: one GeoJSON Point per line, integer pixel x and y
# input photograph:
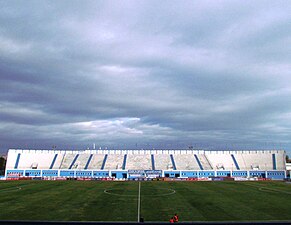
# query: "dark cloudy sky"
{"type": "Point", "coordinates": [158, 74]}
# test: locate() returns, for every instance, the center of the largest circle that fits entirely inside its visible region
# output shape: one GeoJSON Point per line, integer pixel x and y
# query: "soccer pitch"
{"type": "Point", "coordinates": [154, 201]}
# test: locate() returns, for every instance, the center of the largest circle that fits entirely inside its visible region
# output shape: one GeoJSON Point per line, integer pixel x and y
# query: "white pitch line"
{"type": "Point", "coordinates": [266, 189]}
{"type": "Point", "coordinates": [138, 203]}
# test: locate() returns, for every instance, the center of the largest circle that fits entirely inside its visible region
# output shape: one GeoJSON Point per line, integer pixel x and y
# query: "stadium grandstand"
{"type": "Point", "coordinates": [145, 164]}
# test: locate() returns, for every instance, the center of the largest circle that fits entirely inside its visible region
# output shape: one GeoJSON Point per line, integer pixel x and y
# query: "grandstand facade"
{"type": "Point", "coordinates": [143, 164]}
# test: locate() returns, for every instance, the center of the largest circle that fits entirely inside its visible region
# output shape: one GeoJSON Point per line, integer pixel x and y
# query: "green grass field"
{"type": "Point", "coordinates": [118, 201]}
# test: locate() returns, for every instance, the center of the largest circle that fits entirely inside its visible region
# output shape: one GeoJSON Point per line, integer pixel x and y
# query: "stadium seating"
{"type": "Point", "coordinates": [221, 161]}
{"type": "Point", "coordinates": [58, 161]}
{"type": "Point", "coordinates": [32, 159]}
{"type": "Point", "coordinates": [96, 162]}
{"type": "Point", "coordinates": [114, 162]}
{"type": "Point", "coordinates": [67, 161]}
{"type": "Point", "coordinates": [186, 162]}
{"type": "Point", "coordinates": [82, 161]}
{"type": "Point", "coordinates": [200, 163]}
{"type": "Point", "coordinates": [139, 162]}
{"type": "Point", "coordinates": [256, 160]}
{"type": "Point", "coordinates": [163, 162]}
{"type": "Point", "coordinates": [206, 165]}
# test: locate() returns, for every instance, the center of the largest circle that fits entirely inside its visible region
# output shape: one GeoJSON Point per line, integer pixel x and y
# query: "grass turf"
{"type": "Point", "coordinates": [117, 201]}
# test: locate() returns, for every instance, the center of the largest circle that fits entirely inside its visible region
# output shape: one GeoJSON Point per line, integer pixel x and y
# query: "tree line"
{"type": "Point", "coordinates": [2, 165]}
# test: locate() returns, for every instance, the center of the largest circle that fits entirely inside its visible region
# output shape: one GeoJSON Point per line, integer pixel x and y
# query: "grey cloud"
{"type": "Point", "coordinates": [211, 73]}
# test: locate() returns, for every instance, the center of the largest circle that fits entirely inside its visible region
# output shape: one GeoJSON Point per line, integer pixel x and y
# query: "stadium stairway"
{"type": "Point", "coordinates": [153, 162]}
{"type": "Point", "coordinates": [53, 162]}
{"type": "Point", "coordinates": [274, 161]}
{"type": "Point", "coordinates": [198, 161]}
{"type": "Point", "coordinates": [88, 162]}
{"type": "Point", "coordinates": [104, 162]}
{"type": "Point", "coordinates": [17, 161]}
{"type": "Point", "coordinates": [235, 162]}
{"type": "Point", "coordinates": [173, 162]}
{"type": "Point", "coordinates": [124, 162]}
{"type": "Point", "coordinates": [73, 162]}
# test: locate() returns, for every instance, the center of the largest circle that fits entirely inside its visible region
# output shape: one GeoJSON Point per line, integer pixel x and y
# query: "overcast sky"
{"type": "Point", "coordinates": [145, 74]}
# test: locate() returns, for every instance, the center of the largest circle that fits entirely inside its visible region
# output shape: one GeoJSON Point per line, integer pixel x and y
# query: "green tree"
{"type": "Point", "coordinates": [2, 165]}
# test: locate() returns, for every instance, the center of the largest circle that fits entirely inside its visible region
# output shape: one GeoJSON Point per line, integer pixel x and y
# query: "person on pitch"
{"type": "Point", "coordinates": [172, 220]}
